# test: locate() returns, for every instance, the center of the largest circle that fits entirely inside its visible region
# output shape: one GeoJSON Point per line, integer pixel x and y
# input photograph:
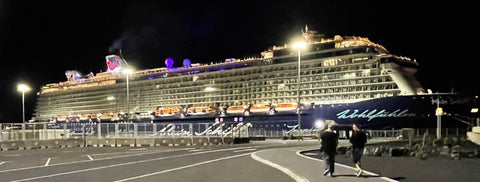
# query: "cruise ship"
{"type": "Point", "coordinates": [345, 78]}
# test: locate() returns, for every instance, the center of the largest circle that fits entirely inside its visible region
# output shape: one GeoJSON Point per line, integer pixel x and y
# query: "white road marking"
{"type": "Point", "coordinates": [12, 155]}
{"type": "Point", "coordinates": [2, 163]}
{"type": "Point", "coordinates": [75, 162]}
{"type": "Point", "coordinates": [244, 150]}
{"type": "Point", "coordinates": [281, 168]}
{"type": "Point", "coordinates": [48, 161]}
{"type": "Point", "coordinates": [139, 149]}
{"type": "Point", "coordinates": [349, 167]}
{"type": "Point", "coordinates": [182, 167]}
{"type": "Point", "coordinates": [90, 157]}
{"type": "Point", "coordinates": [122, 164]}
{"type": "Point", "coordinates": [196, 150]}
{"type": "Point", "coordinates": [310, 153]}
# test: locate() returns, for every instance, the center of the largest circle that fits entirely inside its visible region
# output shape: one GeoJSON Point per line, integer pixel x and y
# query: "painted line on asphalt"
{"type": "Point", "coordinates": [197, 150]}
{"type": "Point", "coordinates": [285, 170]}
{"type": "Point", "coordinates": [244, 150]}
{"type": "Point", "coordinates": [182, 167]}
{"type": "Point", "coordinates": [124, 164]}
{"type": "Point", "coordinates": [12, 155]}
{"type": "Point", "coordinates": [90, 157]}
{"type": "Point", "coordinates": [139, 149]}
{"type": "Point", "coordinates": [107, 158]}
{"type": "Point", "coordinates": [345, 166]}
{"type": "Point", "coordinates": [2, 163]}
{"type": "Point", "coordinates": [48, 161]}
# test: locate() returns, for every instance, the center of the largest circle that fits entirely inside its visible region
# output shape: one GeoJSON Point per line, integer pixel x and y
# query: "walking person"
{"type": "Point", "coordinates": [329, 148]}
{"type": "Point", "coordinates": [358, 140]}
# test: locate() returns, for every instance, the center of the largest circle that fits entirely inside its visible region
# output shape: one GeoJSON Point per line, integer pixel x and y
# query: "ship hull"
{"type": "Point", "coordinates": [382, 113]}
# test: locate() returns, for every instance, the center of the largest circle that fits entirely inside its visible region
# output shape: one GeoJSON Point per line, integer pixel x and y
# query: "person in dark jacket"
{"type": "Point", "coordinates": [358, 140]}
{"type": "Point", "coordinates": [329, 148]}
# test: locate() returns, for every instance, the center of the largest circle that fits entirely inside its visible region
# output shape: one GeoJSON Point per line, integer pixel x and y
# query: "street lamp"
{"type": "Point", "coordinates": [299, 46]}
{"type": "Point", "coordinates": [23, 88]}
{"type": "Point", "coordinates": [128, 71]}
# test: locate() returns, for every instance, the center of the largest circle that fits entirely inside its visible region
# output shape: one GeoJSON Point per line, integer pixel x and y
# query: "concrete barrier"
{"type": "Point", "coordinates": [91, 141]}
{"type": "Point", "coordinates": [215, 141]}
{"type": "Point", "coordinates": [145, 142]}
{"type": "Point", "coordinates": [107, 142]}
{"type": "Point", "coordinates": [163, 141]}
{"type": "Point", "coordinates": [12, 145]}
{"type": "Point", "coordinates": [56, 143]}
{"type": "Point", "coordinates": [228, 140]}
{"type": "Point", "coordinates": [200, 141]}
{"type": "Point", "coordinates": [184, 141]}
{"type": "Point", "coordinates": [35, 144]}
{"type": "Point", "coordinates": [474, 135]}
{"type": "Point", "coordinates": [73, 142]}
{"type": "Point", "coordinates": [117, 142]}
{"type": "Point", "coordinates": [125, 142]}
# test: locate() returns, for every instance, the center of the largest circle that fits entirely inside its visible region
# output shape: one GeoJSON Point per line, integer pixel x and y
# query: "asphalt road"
{"type": "Point", "coordinates": [210, 163]}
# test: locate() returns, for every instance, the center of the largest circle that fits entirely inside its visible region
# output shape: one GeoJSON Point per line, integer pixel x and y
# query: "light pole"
{"type": "Point", "coordinates": [439, 113]}
{"type": "Point", "coordinates": [23, 88]}
{"type": "Point", "coordinates": [128, 72]}
{"type": "Point", "coordinates": [299, 46]}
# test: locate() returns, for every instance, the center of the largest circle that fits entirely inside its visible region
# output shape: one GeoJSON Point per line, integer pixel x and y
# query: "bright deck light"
{"type": "Point", "coordinates": [319, 124]}
{"type": "Point", "coordinates": [299, 45]}
{"type": "Point", "coordinates": [209, 89]}
{"type": "Point", "coordinates": [23, 87]}
{"type": "Point", "coordinates": [127, 71]}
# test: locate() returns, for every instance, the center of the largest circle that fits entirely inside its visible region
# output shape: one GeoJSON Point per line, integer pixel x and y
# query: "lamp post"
{"type": "Point", "coordinates": [23, 88]}
{"type": "Point", "coordinates": [299, 46]}
{"type": "Point", "coordinates": [439, 113]}
{"type": "Point", "coordinates": [128, 72]}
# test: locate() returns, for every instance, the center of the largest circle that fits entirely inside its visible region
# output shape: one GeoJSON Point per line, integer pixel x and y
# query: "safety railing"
{"type": "Point", "coordinates": [49, 131]}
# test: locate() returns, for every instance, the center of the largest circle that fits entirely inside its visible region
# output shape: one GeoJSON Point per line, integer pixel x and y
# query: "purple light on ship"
{"type": "Point", "coordinates": [169, 62]}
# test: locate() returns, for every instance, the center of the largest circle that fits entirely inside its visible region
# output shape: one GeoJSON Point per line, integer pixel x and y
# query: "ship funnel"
{"type": "Point", "coordinates": [115, 64]}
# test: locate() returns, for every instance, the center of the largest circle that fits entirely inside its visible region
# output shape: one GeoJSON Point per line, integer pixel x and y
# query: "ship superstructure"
{"type": "Point", "coordinates": [343, 69]}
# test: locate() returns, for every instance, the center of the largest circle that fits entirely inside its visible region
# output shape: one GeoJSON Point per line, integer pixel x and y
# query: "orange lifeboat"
{"type": "Point", "coordinates": [201, 110]}
{"type": "Point", "coordinates": [167, 111]}
{"type": "Point", "coordinates": [286, 108]}
{"type": "Point", "coordinates": [259, 108]}
{"type": "Point", "coordinates": [109, 116]}
{"type": "Point", "coordinates": [61, 118]}
{"type": "Point", "coordinates": [236, 109]}
{"type": "Point", "coordinates": [175, 111]}
{"type": "Point", "coordinates": [84, 117]}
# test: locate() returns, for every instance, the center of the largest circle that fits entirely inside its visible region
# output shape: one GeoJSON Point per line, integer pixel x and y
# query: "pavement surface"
{"type": "Point", "coordinates": [302, 168]}
{"type": "Point", "coordinates": [271, 160]}
{"type": "Point", "coordinates": [411, 169]}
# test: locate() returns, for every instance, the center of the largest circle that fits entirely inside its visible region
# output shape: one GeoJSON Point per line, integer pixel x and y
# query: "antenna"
{"type": "Point", "coordinates": [310, 36]}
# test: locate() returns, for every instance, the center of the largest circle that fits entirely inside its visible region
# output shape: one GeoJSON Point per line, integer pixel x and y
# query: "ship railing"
{"type": "Point", "coordinates": [384, 133]}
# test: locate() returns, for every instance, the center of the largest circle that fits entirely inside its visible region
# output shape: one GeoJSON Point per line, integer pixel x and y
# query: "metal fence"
{"type": "Point", "coordinates": [49, 131]}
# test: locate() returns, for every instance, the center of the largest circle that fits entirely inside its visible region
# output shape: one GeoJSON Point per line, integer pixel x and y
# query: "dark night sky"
{"type": "Point", "coordinates": [40, 40]}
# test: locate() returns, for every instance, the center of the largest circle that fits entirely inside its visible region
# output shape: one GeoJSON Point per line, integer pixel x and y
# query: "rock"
{"type": "Point", "coordinates": [378, 151]}
{"type": "Point", "coordinates": [455, 153]}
